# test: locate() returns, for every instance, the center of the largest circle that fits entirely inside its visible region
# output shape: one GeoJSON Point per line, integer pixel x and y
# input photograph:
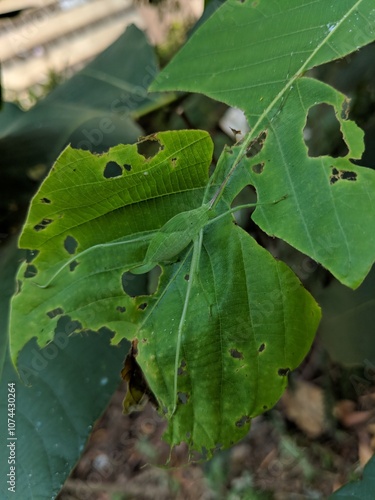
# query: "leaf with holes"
{"type": "Point", "coordinates": [253, 55]}
{"type": "Point", "coordinates": [86, 229]}
{"type": "Point", "coordinates": [214, 352]}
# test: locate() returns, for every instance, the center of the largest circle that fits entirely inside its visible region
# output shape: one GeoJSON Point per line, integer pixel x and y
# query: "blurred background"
{"type": "Point", "coordinates": [77, 71]}
{"type": "Point", "coordinates": [43, 42]}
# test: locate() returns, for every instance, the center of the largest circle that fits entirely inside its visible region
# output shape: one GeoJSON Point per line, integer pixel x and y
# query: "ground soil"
{"type": "Point", "coordinates": [303, 448]}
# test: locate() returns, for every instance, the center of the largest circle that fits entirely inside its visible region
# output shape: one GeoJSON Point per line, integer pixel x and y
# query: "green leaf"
{"type": "Point", "coordinates": [69, 384]}
{"type": "Point", "coordinates": [252, 55]}
{"type": "Point", "coordinates": [78, 208]}
{"type": "Point", "coordinates": [248, 53]}
{"type": "Point", "coordinates": [227, 322]}
{"type": "Point", "coordinates": [360, 490]}
{"type": "Point", "coordinates": [248, 322]}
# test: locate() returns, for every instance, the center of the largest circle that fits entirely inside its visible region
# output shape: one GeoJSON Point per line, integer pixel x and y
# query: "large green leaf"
{"type": "Point", "coordinates": [227, 322]}
{"type": "Point", "coordinates": [252, 55]}
{"type": "Point", "coordinates": [248, 323]}
{"type": "Point", "coordinates": [360, 490]}
{"type": "Point", "coordinates": [78, 208]}
{"type": "Point", "coordinates": [68, 386]}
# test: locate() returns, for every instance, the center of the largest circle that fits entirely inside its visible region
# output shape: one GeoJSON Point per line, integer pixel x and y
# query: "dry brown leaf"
{"type": "Point", "coordinates": [346, 413]}
{"type": "Point", "coordinates": [304, 405]}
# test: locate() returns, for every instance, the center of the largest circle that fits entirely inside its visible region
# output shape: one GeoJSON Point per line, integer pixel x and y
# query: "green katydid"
{"type": "Point", "coordinates": [169, 241]}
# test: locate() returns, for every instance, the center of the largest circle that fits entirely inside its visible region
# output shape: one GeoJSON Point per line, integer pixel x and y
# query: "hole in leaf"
{"type": "Point", "coordinates": [346, 175]}
{"type": "Point", "coordinates": [30, 255]}
{"type": "Point", "coordinates": [70, 245]}
{"type": "Point", "coordinates": [283, 371]}
{"type": "Point", "coordinates": [138, 390]}
{"type": "Point", "coordinates": [121, 309]}
{"type": "Point", "coordinates": [127, 283]}
{"type": "Point", "coordinates": [67, 325]}
{"type": "Point", "coordinates": [181, 370]}
{"type": "Point", "coordinates": [149, 148]}
{"type": "Point", "coordinates": [243, 421]}
{"type": "Point", "coordinates": [256, 145]}
{"type": "Point", "coordinates": [142, 306]}
{"type": "Point", "coordinates": [258, 168]}
{"type": "Point", "coordinates": [262, 347]}
{"type": "Point", "coordinates": [183, 397]}
{"type": "Point", "coordinates": [73, 265]}
{"type": "Point", "coordinates": [42, 224]}
{"type": "Point", "coordinates": [265, 407]}
{"type": "Point", "coordinates": [112, 169]}
{"type": "Point", "coordinates": [245, 196]}
{"type": "Point", "coordinates": [127, 167]}
{"type": "Point", "coordinates": [45, 200]}
{"type": "Point", "coordinates": [174, 162]}
{"type": "Point", "coordinates": [30, 271]}
{"type": "Point", "coordinates": [236, 354]}
{"type": "Point", "coordinates": [55, 312]}
{"type": "Point", "coordinates": [322, 132]}
{"type": "Point", "coordinates": [186, 277]}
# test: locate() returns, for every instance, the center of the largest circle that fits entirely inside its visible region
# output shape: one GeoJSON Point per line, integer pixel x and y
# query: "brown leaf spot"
{"type": "Point", "coordinates": [181, 370]}
{"type": "Point", "coordinates": [258, 168]}
{"type": "Point", "coordinates": [256, 145]}
{"type": "Point", "coordinates": [236, 354]}
{"type": "Point", "coordinates": [43, 224]}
